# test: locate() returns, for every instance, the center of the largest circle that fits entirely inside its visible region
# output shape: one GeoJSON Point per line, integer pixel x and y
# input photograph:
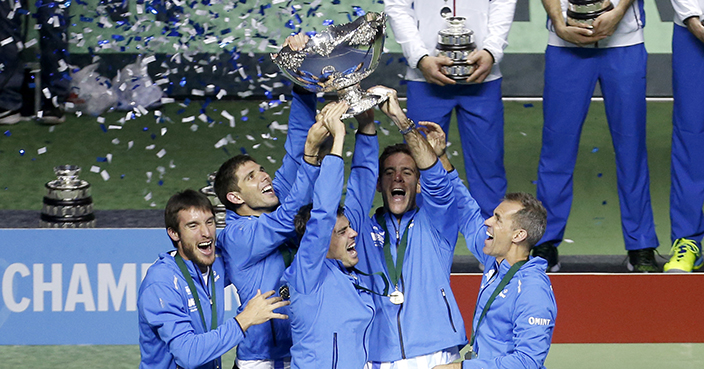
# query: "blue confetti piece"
{"type": "Point", "coordinates": [161, 183]}
{"type": "Point", "coordinates": [86, 19]}
{"type": "Point", "coordinates": [118, 37]}
{"type": "Point", "coordinates": [122, 176]}
{"type": "Point", "coordinates": [336, 2]}
{"type": "Point", "coordinates": [243, 151]}
{"type": "Point", "coordinates": [21, 152]}
{"type": "Point", "coordinates": [187, 102]}
{"type": "Point", "coordinates": [358, 12]}
{"type": "Point", "coordinates": [261, 109]}
{"type": "Point", "coordinates": [298, 18]}
{"type": "Point", "coordinates": [603, 202]}
{"type": "Point", "coordinates": [101, 159]}
{"type": "Point", "coordinates": [535, 182]}
{"type": "Point", "coordinates": [245, 119]}
{"type": "Point", "coordinates": [599, 175]}
{"type": "Point", "coordinates": [180, 111]}
{"type": "Point", "coordinates": [290, 25]}
{"type": "Point", "coordinates": [529, 105]}
{"type": "Point", "coordinates": [183, 82]}
{"type": "Point", "coordinates": [349, 17]}
{"type": "Point", "coordinates": [389, 61]}
{"type": "Point", "coordinates": [8, 133]}
{"type": "Point", "coordinates": [105, 129]}
{"type": "Point", "coordinates": [596, 149]}
{"type": "Point", "coordinates": [153, 136]}
{"type": "Point", "coordinates": [145, 129]}
{"type": "Point", "coordinates": [328, 22]}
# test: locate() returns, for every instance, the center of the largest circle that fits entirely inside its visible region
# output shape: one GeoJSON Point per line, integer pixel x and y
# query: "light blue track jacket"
{"type": "Point", "coordinates": [330, 318]}
{"type": "Point", "coordinates": [429, 319]}
{"type": "Point", "coordinates": [249, 245]}
{"type": "Point", "coordinates": [170, 328]}
{"type": "Point", "coordinates": [517, 330]}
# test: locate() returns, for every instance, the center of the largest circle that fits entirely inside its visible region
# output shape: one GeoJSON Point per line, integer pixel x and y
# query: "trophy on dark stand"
{"type": "Point", "coordinates": [456, 42]}
{"type": "Point", "coordinates": [583, 12]}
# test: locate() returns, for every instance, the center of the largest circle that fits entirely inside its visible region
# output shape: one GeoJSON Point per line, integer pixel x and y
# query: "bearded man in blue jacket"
{"type": "Point", "coordinates": [417, 321]}
{"type": "Point", "coordinates": [181, 300]}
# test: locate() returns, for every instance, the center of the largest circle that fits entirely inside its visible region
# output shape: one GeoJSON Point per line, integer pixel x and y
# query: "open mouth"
{"type": "Point", "coordinates": [398, 192]}
{"type": "Point", "coordinates": [352, 250]}
{"type": "Point", "coordinates": [489, 236]}
{"type": "Point", "coordinates": [268, 190]}
{"type": "Point", "coordinates": [206, 246]}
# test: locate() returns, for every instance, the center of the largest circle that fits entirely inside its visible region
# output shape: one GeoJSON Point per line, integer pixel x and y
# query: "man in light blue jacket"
{"type": "Point", "coordinates": [181, 300]}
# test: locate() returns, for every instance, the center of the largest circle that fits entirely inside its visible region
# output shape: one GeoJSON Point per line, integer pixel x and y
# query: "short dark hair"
{"type": "Point", "coordinates": [391, 150]}
{"type": "Point", "coordinates": [533, 217]}
{"type": "Point", "coordinates": [226, 178]}
{"type": "Point", "coordinates": [184, 200]}
{"type": "Point", "coordinates": [301, 219]}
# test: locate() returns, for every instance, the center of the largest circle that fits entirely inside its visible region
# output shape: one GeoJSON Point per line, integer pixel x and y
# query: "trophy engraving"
{"type": "Point", "coordinates": [67, 203]}
{"type": "Point", "coordinates": [583, 12]}
{"type": "Point", "coordinates": [337, 59]}
{"type": "Point", "coordinates": [456, 42]}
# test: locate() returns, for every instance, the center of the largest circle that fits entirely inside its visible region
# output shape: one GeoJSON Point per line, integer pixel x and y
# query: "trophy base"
{"type": "Point", "coordinates": [359, 100]}
{"type": "Point", "coordinates": [459, 72]}
{"type": "Point", "coordinates": [586, 19]}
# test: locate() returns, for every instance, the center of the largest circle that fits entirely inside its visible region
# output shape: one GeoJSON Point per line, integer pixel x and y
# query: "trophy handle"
{"type": "Point", "coordinates": [359, 100]}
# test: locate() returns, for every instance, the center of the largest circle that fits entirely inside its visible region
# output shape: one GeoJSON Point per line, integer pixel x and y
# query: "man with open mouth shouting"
{"type": "Point", "coordinates": [181, 300]}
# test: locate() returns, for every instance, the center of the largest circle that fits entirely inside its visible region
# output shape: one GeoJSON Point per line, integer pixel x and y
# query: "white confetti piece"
{"type": "Point", "coordinates": [148, 196]}
{"type": "Point", "coordinates": [271, 160]}
{"type": "Point", "coordinates": [203, 118]}
{"type": "Point", "coordinates": [113, 126]}
{"type": "Point", "coordinates": [150, 147]}
{"type": "Point", "coordinates": [105, 175]}
{"type": "Point", "coordinates": [101, 119]}
{"type": "Point", "coordinates": [195, 92]}
{"type": "Point", "coordinates": [222, 142]}
{"type": "Point", "coordinates": [130, 144]}
{"type": "Point", "coordinates": [256, 146]}
{"type": "Point", "coordinates": [109, 157]}
{"type": "Point", "coordinates": [163, 130]}
{"type": "Point", "coordinates": [194, 127]}
{"type": "Point", "coordinates": [41, 150]}
{"type": "Point", "coordinates": [6, 41]}
{"type": "Point", "coordinates": [149, 177]}
{"type": "Point", "coordinates": [149, 59]}
{"type": "Point", "coordinates": [115, 141]}
{"type": "Point", "coordinates": [567, 240]}
{"type": "Point", "coordinates": [161, 153]}
{"type": "Point", "coordinates": [188, 119]}
{"type": "Point", "coordinates": [95, 169]}
{"type": "Point", "coordinates": [249, 137]}
{"type": "Point", "coordinates": [220, 94]}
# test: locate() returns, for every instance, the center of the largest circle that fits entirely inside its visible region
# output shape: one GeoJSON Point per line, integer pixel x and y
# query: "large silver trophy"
{"type": "Point", "coordinates": [220, 210]}
{"type": "Point", "coordinates": [337, 59]}
{"type": "Point", "coordinates": [456, 42]}
{"type": "Point", "coordinates": [583, 12]}
{"type": "Point", "coordinates": [67, 203]}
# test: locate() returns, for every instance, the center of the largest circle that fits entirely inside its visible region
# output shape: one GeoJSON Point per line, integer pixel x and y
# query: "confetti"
{"type": "Point", "coordinates": [95, 169]}
{"type": "Point", "coordinates": [41, 150]}
{"type": "Point", "coordinates": [161, 153]}
{"type": "Point", "coordinates": [105, 175]}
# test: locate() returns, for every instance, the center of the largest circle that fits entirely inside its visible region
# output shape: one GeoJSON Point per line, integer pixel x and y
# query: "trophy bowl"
{"type": "Point", "coordinates": [456, 42]}
{"type": "Point", "coordinates": [337, 59]}
{"type": "Point", "coordinates": [582, 13]}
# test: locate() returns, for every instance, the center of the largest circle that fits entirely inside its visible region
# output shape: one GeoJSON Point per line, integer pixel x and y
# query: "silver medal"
{"type": "Point", "coordinates": [396, 297]}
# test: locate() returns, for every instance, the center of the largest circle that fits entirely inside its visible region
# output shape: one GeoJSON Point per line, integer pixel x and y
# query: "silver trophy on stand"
{"type": "Point", "coordinates": [67, 203]}
{"type": "Point", "coordinates": [220, 210]}
{"type": "Point", "coordinates": [582, 13]}
{"type": "Point", "coordinates": [337, 59]}
{"type": "Point", "coordinates": [456, 42]}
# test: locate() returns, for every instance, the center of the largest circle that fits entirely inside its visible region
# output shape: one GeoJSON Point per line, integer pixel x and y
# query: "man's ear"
{"type": "Point", "coordinates": [418, 187]}
{"type": "Point", "coordinates": [378, 186]}
{"type": "Point", "coordinates": [235, 198]}
{"type": "Point", "coordinates": [519, 236]}
{"type": "Point", "coordinates": [173, 234]}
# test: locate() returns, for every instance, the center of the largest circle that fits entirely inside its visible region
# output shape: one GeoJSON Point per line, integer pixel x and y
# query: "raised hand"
{"type": "Point", "coordinates": [260, 309]}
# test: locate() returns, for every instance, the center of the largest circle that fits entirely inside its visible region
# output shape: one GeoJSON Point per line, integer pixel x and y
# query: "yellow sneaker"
{"type": "Point", "coordinates": [686, 256]}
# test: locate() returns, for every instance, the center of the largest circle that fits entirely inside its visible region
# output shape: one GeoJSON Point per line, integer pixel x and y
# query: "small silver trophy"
{"type": "Point", "coordinates": [456, 42]}
{"type": "Point", "coordinates": [583, 12]}
{"type": "Point", "coordinates": [220, 210]}
{"type": "Point", "coordinates": [337, 59]}
{"type": "Point", "coordinates": [67, 203]}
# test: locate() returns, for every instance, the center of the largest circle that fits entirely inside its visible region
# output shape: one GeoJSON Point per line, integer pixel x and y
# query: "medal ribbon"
{"type": "Point", "coordinates": [213, 308]}
{"type": "Point", "coordinates": [499, 288]}
{"type": "Point", "coordinates": [383, 276]}
{"type": "Point", "coordinates": [394, 270]}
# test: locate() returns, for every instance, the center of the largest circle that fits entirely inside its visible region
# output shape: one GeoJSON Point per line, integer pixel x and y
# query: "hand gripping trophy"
{"type": "Point", "coordinates": [337, 59]}
{"type": "Point", "coordinates": [456, 42]}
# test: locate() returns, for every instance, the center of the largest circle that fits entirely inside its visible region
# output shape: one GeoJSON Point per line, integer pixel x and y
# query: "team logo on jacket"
{"type": "Point", "coordinates": [377, 236]}
{"type": "Point", "coordinates": [538, 321]}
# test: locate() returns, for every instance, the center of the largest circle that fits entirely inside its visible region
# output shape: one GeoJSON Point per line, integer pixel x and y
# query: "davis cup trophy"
{"type": "Point", "coordinates": [67, 203]}
{"type": "Point", "coordinates": [456, 42]}
{"type": "Point", "coordinates": [583, 12]}
{"type": "Point", "coordinates": [337, 59]}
